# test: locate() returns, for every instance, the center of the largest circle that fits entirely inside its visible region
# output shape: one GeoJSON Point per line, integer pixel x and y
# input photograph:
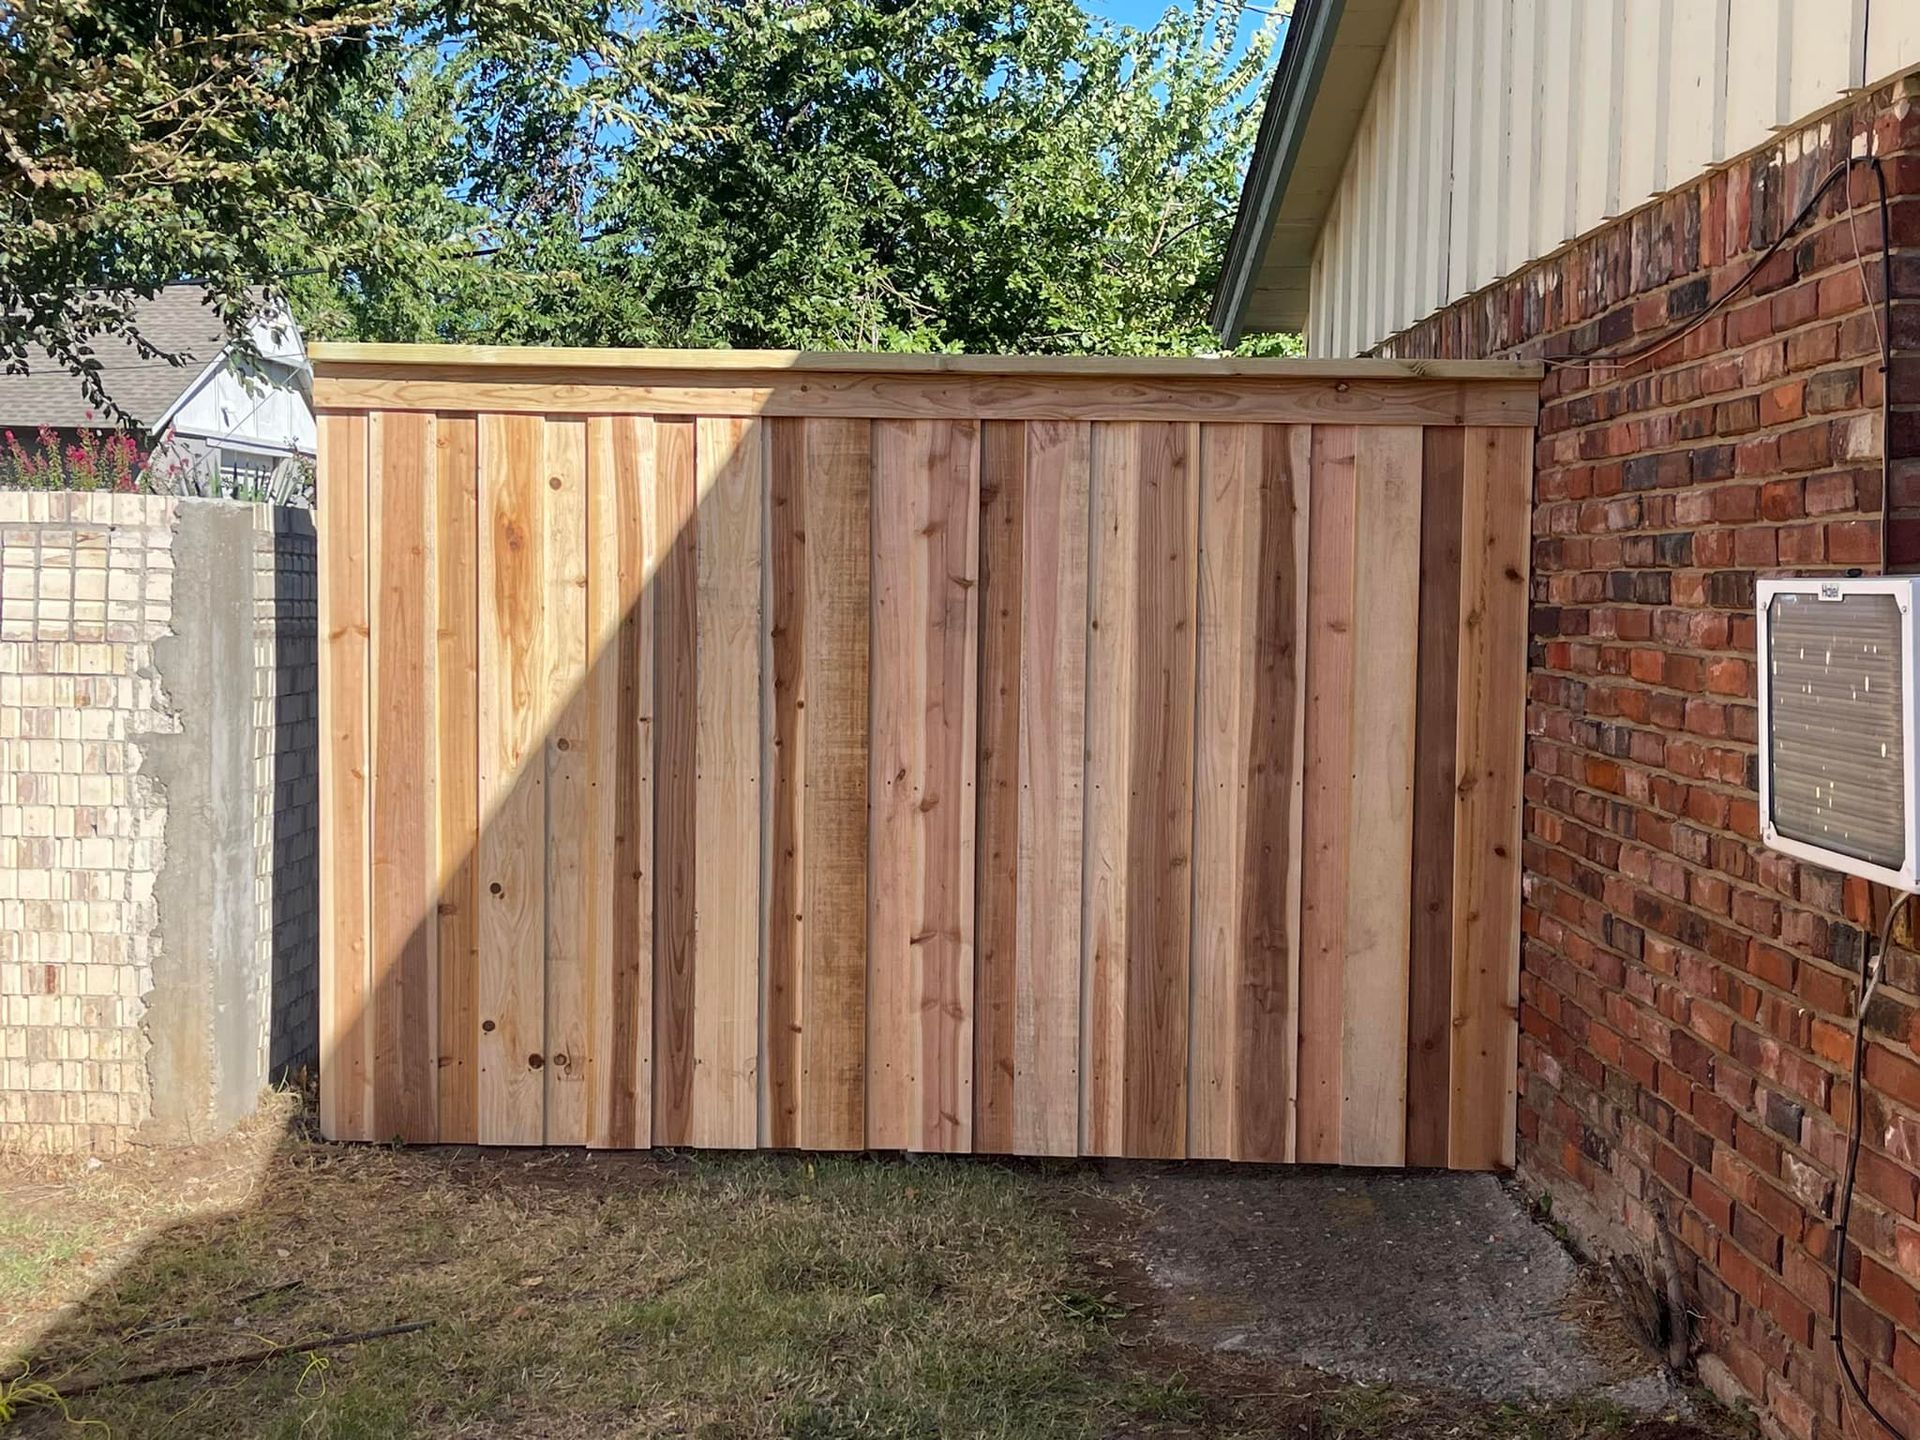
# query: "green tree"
{"type": "Point", "coordinates": [147, 141]}
{"type": "Point", "coordinates": [899, 174]}
{"type": "Point", "coordinates": [894, 174]}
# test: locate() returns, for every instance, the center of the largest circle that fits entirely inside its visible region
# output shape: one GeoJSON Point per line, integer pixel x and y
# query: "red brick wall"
{"type": "Point", "coordinates": [1685, 992]}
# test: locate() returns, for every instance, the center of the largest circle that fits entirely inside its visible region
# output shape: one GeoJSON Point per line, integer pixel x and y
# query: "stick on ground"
{"type": "Point", "coordinates": [250, 1357]}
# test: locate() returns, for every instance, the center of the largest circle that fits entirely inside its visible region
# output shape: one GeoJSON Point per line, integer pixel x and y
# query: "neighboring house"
{"type": "Point", "coordinates": [1564, 179]}
{"type": "Point", "coordinates": [221, 422]}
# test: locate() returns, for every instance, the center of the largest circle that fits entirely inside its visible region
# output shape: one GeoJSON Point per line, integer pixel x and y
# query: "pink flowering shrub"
{"type": "Point", "coordinates": [98, 460]}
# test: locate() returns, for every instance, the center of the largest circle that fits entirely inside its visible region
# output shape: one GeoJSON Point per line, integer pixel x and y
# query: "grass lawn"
{"type": "Point", "coordinates": [612, 1295]}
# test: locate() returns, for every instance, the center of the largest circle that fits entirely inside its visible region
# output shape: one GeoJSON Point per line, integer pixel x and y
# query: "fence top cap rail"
{"type": "Point", "coordinates": [336, 358]}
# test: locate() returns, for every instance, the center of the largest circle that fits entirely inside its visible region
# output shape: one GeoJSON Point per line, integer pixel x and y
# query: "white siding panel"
{"type": "Point", "coordinates": [1353, 245]}
{"type": "Point", "coordinates": [1553, 98]}
{"type": "Point", "coordinates": [1595, 135]}
{"type": "Point", "coordinates": [1698, 71]}
{"type": "Point", "coordinates": [1408, 168]}
{"type": "Point", "coordinates": [1520, 177]}
{"type": "Point", "coordinates": [1755, 94]}
{"type": "Point", "coordinates": [1418, 138]}
{"type": "Point", "coordinates": [1323, 277]}
{"type": "Point", "coordinates": [1381, 168]}
{"type": "Point", "coordinates": [1821, 35]}
{"type": "Point", "coordinates": [1496, 18]}
{"type": "Point", "coordinates": [1893, 39]}
{"type": "Point", "coordinates": [1366, 197]}
{"type": "Point", "coordinates": [1639, 127]}
{"type": "Point", "coordinates": [1326, 289]}
{"type": "Point", "coordinates": [1499, 130]}
{"type": "Point", "coordinates": [1437, 40]}
{"type": "Point", "coordinates": [1464, 40]}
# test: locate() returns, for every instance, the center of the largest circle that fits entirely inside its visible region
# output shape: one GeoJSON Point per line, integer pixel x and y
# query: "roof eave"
{"type": "Point", "coordinates": [1296, 83]}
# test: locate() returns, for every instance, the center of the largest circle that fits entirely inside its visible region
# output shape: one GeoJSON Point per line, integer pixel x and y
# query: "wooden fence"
{"type": "Point", "coordinates": [1039, 757]}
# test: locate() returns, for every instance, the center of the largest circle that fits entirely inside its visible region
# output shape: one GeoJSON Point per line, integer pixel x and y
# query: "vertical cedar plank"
{"type": "Point", "coordinates": [1329, 772]}
{"type": "Point", "coordinates": [787, 778]}
{"type": "Point", "coordinates": [1053, 658]}
{"type": "Point", "coordinates": [1160, 828]}
{"type": "Point", "coordinates": [816, 961]}
{"type": "Point", "coordinates": [634, 861]}
{"type": "Point", "coordinates": [1491, 751]}
{"type": "Point", "coordinates": [573, 856]}
{"type": "Point", "coordinates": [599, 727]}
{"type": "Point", "coordinates": [405, 862]}
{"type": "Point", "coordinates": [457, 786]}
{"type": "Point", "coordinates": [1373, 1106]}
{"type": "Point", "coordinates": [620, 680]}
{"type": "Point", "coordinates": [726, 1012]}
{"type": "Point", "coordinates": [1113, 577]}
{"type": "Point", "coordinates": [946, 810]}
{"type": "Point", "coordinates": [512, 869]}
{"type": "Point", "coordinates": [345, 1026]}
{"type": "Point", "coordinates": [675, 589]}
{"type": "Point", "coordinates": [1230, 542]}
{"type": "Point", "coordinates": [1003, 462]}
{"type": "Point", "coordinates": [900, 460]}
{"type": "Point", "coordinates": [833, 1002]}
{"type": "Point", "coordinates": [1430, 945]}
{"type": "Point", "coordinates": [925, 666]}
{"type": "Point", "coordinates": [1265, 1005]}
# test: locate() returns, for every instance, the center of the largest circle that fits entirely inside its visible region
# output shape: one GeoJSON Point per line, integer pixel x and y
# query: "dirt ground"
{"type": "Point", "coordinates": [665, 1294]}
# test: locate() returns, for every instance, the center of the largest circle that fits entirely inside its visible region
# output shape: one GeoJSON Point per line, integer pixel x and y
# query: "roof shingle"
{"type": "Point", "coordinates": [177, 320]}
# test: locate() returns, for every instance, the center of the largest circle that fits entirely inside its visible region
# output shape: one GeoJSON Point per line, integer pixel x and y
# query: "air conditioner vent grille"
{"type": "Point", "coordinates": [1837, 771]}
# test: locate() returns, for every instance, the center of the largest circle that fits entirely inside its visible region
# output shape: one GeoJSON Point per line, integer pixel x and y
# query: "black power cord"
{"type": "Point", "coordinates": [1872, 967]}
{"type": "Point", "coordinates": [1885, 318]}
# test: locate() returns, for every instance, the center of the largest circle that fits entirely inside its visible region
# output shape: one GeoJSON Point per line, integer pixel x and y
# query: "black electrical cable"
{"type": "Point", "coordinates": [1872, 966]}
{"type": "Point", "coordinates": [1827, 182]}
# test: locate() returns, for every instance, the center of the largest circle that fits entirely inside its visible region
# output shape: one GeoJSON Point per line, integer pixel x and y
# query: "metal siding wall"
{"type": "Point", "coordinates": [1571, 112]}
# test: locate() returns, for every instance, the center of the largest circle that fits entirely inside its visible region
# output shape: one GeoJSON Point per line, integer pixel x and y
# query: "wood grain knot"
{"type": "Point", "coordinates": [535, 1062]}
{"type": "Point", "coordinates": [496, 888]}
{"type": "Point", "coordinates": [487, 1027]}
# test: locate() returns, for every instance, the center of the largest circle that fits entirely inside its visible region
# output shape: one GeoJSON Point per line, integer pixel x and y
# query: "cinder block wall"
{"type": "Point", "coordinates": [158, 807]}
{"type": "Point", "coordinates": [1685, 992]}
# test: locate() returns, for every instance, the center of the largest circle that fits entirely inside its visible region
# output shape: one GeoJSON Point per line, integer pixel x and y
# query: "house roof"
{"type": "Point", "coordinates": [177, 320]}
{"type": "Point", "coordinates": [1314, 107]}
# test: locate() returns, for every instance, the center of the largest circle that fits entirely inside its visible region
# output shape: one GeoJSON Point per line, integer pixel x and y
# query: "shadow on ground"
{"type": "Point", "coordinates": [576, 1294]}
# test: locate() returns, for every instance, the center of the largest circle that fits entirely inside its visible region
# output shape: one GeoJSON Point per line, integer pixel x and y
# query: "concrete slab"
{"type": "Point", "coordinates": [1415, 1279]}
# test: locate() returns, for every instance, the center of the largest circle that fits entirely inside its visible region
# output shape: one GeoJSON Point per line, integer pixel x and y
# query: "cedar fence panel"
{"type": "Point", "coordinates": [931, 753]}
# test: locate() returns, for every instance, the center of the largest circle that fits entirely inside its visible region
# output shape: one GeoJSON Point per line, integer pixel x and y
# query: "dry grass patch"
{"type": "Point", "coordinates": [575, 1295]}
{"type": "Point", "coordinates": [649, 1295]}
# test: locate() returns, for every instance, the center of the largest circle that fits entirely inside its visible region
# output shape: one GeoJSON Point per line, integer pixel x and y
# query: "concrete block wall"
{"type": "Point", "coordinates": [1686, 993]}
{"type": "Point", "coordinates": [157, 809]}
{"type": "Point", "coordinates": [85, 591]}
{"type": "Point", "coordinates": [286, 788]}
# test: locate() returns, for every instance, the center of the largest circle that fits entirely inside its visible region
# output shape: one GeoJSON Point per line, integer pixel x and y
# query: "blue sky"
{"type": "Point", "coordinates": [1142, 13]}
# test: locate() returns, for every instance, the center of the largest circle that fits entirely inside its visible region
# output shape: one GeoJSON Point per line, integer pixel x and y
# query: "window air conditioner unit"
{"type": "Point", "coordinates": [1837, 733]}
